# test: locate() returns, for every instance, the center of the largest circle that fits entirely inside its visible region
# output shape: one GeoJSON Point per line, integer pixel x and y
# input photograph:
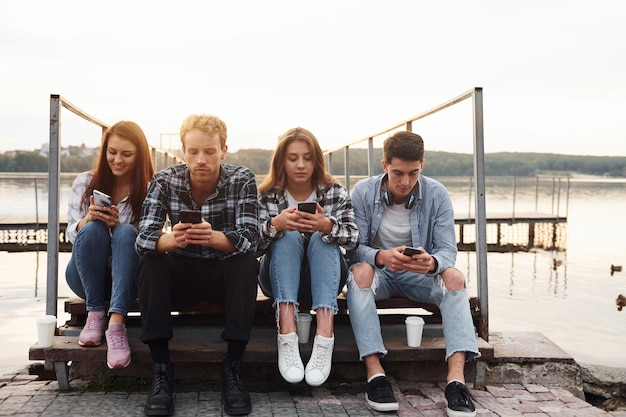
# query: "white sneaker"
{"type": "Point", "coordinates": [289, 361]}
{"type": "Point", "coordinates": [318, 368]}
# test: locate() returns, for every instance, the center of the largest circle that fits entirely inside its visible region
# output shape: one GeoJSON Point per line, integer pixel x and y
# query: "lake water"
{"type": "Point", "coordinates": [569, 296]}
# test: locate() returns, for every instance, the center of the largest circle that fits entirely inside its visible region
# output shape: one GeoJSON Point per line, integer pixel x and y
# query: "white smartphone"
{"type": "Point", "coordinates": [101, 199]}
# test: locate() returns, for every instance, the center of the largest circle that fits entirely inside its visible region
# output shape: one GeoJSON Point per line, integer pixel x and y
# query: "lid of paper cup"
{"type": "Point", "coordinates": [414, 320]}
{"type": "Point", "coordinates": [46, 319]}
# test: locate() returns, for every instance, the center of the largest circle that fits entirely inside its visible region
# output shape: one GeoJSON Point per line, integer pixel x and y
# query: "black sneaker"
{"type": "Point", "coordinates": [459, 400]}
{"type": "Point", "coordinates": [379, 395]}
{"type": "Point", "coordinates": [161, 399]}
{"type": "Point", "coordinates": [235, 397]}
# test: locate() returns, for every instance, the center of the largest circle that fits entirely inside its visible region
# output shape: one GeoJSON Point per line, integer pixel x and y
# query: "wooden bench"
{"type": "Point", "coordinates": [197, 330]}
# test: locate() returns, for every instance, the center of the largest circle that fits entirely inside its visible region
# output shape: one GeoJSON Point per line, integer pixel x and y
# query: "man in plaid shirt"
{"type": "Point", "coordinates": [210, 258]}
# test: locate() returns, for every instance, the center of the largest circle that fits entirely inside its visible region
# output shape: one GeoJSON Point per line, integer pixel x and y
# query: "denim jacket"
{"type": "Point", "coordinates": [431, 218]}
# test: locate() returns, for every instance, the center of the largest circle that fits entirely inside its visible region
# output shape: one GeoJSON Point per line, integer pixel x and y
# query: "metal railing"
{"type": "Point", "coordinates": [476, 95]}
{"type": "Point", "coordinates": [160, 159]}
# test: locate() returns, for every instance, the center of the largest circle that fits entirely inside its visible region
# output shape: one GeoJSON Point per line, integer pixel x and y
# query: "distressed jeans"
{"type": "Point", "coordinates": [458, 328]}
{"type": "Point", "coordinates": [288, 273]}
{"type": "Point", "coordinates": [102, 267]}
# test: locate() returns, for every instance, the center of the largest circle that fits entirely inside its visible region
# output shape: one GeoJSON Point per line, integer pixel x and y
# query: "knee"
{"type": "Point", "coordinates": [125, 231]}
{"type": "Point", "coordinates": [315, 240]}
{"type": "Point", "coordinates": [289, 238]}
{"type": "Point", "coordinates": [93, 230]}
{"type": "Point", "coordinates": [150, 266]}
{"type": "Point", "coordinates": [363, 275]}
{"type": "Point", "coordinates": [244, 267]}
{"type": "Point", "coordinates": [453, 279]}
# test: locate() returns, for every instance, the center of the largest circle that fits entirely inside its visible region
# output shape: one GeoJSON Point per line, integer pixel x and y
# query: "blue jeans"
{"type": "Point", "coordinates": [458, 328]}
{"type": "Point", "coordinates": [287, 274]}
{"type": "Point", "coordinates": [102, 266]}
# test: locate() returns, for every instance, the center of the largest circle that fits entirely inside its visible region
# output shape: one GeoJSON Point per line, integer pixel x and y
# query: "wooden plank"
{"type": "Point", "coordinates": [66, 348]}
{"type": "Point", "coordinates": [207, 314]}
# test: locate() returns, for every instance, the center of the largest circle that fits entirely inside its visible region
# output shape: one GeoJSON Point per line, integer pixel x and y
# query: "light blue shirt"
{"type": "Point", "coordinates": [431, 219]}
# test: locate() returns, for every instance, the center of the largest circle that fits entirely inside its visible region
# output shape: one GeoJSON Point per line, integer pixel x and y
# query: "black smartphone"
{"type": "Point", "coordinates": [190, 216]}
{"type": "Point", "coordinates": [101, 199]}
{"type": "Point", "coordinates": [409, 251]}
{"type": "Point", "coordinates": [309, 207]}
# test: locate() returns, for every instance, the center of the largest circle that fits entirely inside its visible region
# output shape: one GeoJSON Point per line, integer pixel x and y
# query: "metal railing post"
{"type": "Point", "coordinates": [481, 212]}
{"type": "Point", "coordinates": [346, 166]}
{"type": "Point", "coordinates": [537, 193]}
{"type": "Point", "coordinates": [54, 171]}
{"type": "Point", "coordinates": [370, 156]}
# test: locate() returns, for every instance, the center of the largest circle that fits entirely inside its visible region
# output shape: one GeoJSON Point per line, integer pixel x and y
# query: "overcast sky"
{"type": "Point", "coordinates": [553, 73]}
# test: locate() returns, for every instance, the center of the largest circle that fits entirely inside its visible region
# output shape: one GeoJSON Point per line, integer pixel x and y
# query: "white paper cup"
{"type": "Point", "coordinates": [414, 328]}
{"type": "Point", "coordinates": [303, 326]}
{"type": "Point", "coordinates": [46, 325]}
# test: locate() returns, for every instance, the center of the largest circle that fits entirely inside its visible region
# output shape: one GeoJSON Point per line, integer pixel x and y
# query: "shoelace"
{"type": "Point", "coordinates": [232, 378]}
{"type": "Point", "coordinates": [159, 379]}
{"type": "Point", "coordinates": [118, 339]}
{"type": "Point", "coordinates": [319, 355]}
{"type": "Point", "coordinates": [91, 323]}
{"type": "Point", "coordinates": [289, 350]}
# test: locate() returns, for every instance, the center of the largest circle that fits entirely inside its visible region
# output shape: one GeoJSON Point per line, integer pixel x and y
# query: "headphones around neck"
{"type": "Point", "coordinates": [387, 196]}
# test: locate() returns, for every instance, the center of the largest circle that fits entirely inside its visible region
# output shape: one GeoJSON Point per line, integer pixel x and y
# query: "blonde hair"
{"type": "Point", "coordinates": [206, 123]}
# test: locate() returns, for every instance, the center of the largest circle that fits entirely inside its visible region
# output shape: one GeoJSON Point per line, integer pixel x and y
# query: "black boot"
{"type": "Point", "coordinates": [161, 399]}
{"type": "Point", "coordinates": [235, 397]}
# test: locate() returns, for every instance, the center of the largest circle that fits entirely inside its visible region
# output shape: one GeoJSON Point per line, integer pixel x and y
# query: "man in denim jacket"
{"type": "Point", "coordinates": [394, 210]}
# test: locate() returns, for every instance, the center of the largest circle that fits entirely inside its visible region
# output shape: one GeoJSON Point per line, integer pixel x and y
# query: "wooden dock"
{"type": "Point", "coordinates": [505, 233]}
{"type": "Point", "coordinates": [514, 232]}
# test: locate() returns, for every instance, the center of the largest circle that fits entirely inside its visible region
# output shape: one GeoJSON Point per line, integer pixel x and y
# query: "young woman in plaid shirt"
{"type": "Point", "coordinates": [302, 255]}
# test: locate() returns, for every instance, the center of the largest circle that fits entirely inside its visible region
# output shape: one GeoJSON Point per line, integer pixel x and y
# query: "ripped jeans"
{"type": "Point", "coordinates": [294, 268]}
{"type": "Point", "coordinates": [458, 328]}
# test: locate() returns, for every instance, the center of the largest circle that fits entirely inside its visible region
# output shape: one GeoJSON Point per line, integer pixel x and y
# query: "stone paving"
{"type": "Point", "coordinates": [26, 395]}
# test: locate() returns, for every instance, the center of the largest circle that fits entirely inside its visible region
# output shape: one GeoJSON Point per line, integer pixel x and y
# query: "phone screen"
{"type": "Point", "coordinates": [408, 251]}
{"type": "Point", "coordinates": [190, 216]}
{"type": "Point", "coordinates": [309, 207]}
{"type": "Point", "coordinates": [101, 199]}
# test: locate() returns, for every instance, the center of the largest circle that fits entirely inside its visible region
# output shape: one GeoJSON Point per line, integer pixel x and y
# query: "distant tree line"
{"type": "Point", "coordinates": [27, 161]}
{"type": "Point", "coordinates": [442, 164]}
{"type": "Point", "coordinates": [438, 164]}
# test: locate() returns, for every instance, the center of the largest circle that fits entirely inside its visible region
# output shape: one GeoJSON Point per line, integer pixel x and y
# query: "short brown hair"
{"type": "Point", "coordinates": [404, 145]}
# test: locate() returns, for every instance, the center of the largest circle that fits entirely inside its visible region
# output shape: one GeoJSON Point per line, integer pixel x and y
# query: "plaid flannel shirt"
{"type": "Point", "coordinates": [337, 206]}
{"type": "Point", "coordinates": [231, 209]}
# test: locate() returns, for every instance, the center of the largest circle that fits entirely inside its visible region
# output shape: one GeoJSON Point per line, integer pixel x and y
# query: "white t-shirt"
{"type": "Point", "coordinates": [395, 228]}
{"type": "Point", "coordinates": [293, 202]}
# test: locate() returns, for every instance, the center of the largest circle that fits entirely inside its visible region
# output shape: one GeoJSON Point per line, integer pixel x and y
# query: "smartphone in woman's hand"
{"type": "Point", "coordinates": [308, 207]}
{"type": "Point", "coordinates": [101, 199]}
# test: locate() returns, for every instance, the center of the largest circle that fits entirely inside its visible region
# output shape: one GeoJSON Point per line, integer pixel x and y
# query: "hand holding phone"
{"type": "Point", "coordinates": [409, 251]}
{"type": "Point", "coordinates": [308, 207]}
{"type": "Point", "coordinates": [101, 199]}
{"type": "Point", "coordinates": [190, 216]}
